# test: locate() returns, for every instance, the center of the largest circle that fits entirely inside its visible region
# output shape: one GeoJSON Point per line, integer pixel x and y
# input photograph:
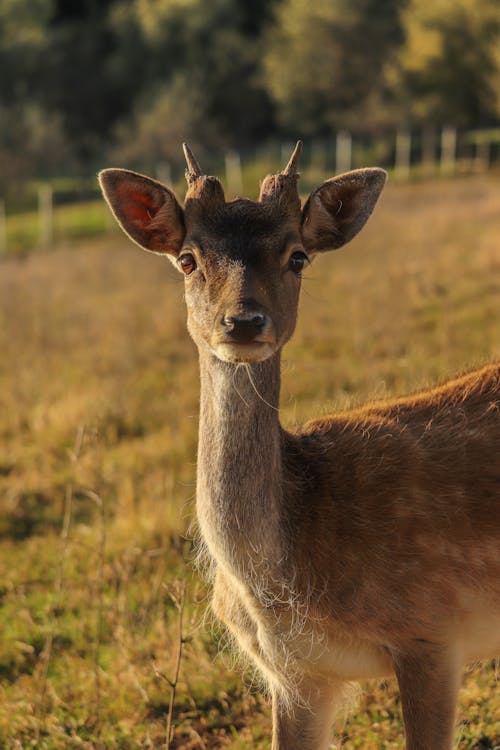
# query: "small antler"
{"type": "Point", "coordinates": [281, 189]}
{"type": "Point", "coordinates": [203, 192]}
{"type": "Point", "coordinates": [194, 170]}
{"type": "Point", "coordinates": [291, 167]}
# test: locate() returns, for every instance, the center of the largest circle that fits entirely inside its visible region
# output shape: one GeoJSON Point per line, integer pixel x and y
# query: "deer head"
{"type": "Point", "coordinates": [242, 260]}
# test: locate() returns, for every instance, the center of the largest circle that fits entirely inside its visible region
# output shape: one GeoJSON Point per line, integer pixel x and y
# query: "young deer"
{"type": "Point", "coordinates": [366, 544]}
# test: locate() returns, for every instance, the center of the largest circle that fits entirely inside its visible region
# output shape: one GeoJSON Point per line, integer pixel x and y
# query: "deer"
{"type": "Point", "coordinates": [363, 545]}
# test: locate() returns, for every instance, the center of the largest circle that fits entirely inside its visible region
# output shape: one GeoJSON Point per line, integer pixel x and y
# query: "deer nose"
{"type": "Point", "coordinates": [244, 327]}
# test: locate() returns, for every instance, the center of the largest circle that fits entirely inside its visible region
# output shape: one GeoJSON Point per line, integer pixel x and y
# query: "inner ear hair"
{"type": "Point", "coordinates": [339, 208]}
{"type": "Point", "coordinates": [146, 210]}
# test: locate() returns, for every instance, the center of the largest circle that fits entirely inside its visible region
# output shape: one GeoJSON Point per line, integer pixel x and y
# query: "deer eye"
{"type": "Point", "coordinates": [297, 261]}
{"type": "Point", "coordinates": [187, 263]}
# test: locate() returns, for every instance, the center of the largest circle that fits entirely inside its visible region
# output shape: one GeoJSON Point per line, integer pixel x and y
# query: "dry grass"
{"type": "Point", "coordinates": [93, 537]}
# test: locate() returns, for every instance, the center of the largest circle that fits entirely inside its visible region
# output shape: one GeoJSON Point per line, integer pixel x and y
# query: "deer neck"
{"type": "Point", "coordinates": [239, 461]}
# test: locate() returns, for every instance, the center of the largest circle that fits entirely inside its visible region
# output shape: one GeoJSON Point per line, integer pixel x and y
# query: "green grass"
{"type": "Point", "coordinates": [78, 220]}
{"type": "Point", "coordinates": [98, 420]}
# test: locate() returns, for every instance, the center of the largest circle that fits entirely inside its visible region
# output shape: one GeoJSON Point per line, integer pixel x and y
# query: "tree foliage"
{"type": "Point", "coordinates": [324, 61]}
{"type": "Point", "coordinates": [83, 78]}
{"type": "Point", "coordinates": [449, 68]}
{"type": "Point", "coordinates": [214, 49]}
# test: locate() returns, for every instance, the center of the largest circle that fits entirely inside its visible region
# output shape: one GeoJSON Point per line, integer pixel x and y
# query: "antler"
{"type": "Point", "coordinates": [291, 167]}
{"type": "Point", "coordinates": [203, 192]}
{"type": "Point", "coordinates": [281, 189]}
{"type": "Point", "coordinates": [194, 170]}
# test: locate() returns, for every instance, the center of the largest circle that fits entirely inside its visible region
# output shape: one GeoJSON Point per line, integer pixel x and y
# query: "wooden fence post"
{"type": "Point", "coordinates": [448, 149]}
{"type": "Point", "coordinates": [45, 215]}
{"type": "Point", "coordinates": [343, 151]}
{"type": "Point", "coordinates": [234, 178]}
{"type": "Point", "coordinates": [403, 154]}
{"type": "Point", "coordinates": [318, 156]}
{"type": "Point", "coordinates": [3, 229]}
{"type": "Point", "coordinates": [429, 149]}
{"type": "Point", "coordinates": [164, 173]}
{"type": "Point", "coordinates": [482, 157]}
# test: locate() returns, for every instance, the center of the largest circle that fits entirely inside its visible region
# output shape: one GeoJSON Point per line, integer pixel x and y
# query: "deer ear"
{"type": "Point", "coordinates": [145, 209]}
{"type": "Point", "coordinates": [336, 211]}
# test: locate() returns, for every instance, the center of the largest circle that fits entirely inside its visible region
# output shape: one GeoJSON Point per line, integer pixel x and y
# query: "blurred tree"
{"type": "Point", "coordinates": [202, 66]}
{"type": "Point", "coordinates": [324, 62]}
{"type": "Point", "coordinates": [160, 124]}
{"type": "Point", "coordinates": [23, 43]}
{"type": "Point", "coordinates": [449, 69]}
{"type": "Point", "coordinates": [79, 80]}
{"type": "Point", "coordinates": [32, 143]}
{"type": "Point", "coordinates": [54, 60]}
{"type": "Point", "coordinates": [81, 77]}
{"type": "Point", "coordinates": [32, 139]}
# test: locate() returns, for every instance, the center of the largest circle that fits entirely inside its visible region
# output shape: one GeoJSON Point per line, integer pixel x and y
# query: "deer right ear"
{"type": "Point", "coordinates": [336, 211]}
{"type": "Point", "coordinates": [146, 210]}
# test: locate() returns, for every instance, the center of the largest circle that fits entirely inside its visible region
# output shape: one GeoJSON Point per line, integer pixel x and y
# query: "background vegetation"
{"type": "Point", "coordinates": [84, 82]}
{"type": "Point", "coordinates": [100, 602]}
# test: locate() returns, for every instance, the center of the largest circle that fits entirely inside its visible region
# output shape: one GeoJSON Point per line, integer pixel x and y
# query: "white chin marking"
{"type": "Point", "coordinates": [243, 353]}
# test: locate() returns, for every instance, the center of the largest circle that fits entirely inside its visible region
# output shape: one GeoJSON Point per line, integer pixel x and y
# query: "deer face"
{"type": "Point", "coordinates": [242, 267]}
{"type": "Point", "coordinates": [242, 260]}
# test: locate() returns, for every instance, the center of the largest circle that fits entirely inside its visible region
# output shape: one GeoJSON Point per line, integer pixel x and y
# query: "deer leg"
{"type": "Point", "coordinates": [428, 682]}
{"type": "Point", "coordinates": [307, 725]}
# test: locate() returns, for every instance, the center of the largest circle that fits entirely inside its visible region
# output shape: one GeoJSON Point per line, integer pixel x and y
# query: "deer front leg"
{"type": "Point", "coordinates": [307, 725]}
{"type": "Point", "coordinates": [428, 680]}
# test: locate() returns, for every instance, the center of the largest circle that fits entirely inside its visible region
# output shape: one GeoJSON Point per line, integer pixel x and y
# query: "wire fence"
{"type": "Point", "coordinates": [44, 213]}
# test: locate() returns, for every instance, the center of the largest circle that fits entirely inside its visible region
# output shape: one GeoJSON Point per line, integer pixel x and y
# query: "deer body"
{"type": "Point", "coordinates": [366, 544]}
{"type": "Point", "coordinates": [389, 481]}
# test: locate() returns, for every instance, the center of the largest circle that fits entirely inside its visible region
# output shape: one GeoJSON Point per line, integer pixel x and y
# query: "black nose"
{"type": "Point", "coordinates": [245, 327]}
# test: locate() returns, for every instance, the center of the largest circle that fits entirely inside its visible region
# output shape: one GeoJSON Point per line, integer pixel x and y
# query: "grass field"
{"type": "Point", "coordinates": [98, 421]}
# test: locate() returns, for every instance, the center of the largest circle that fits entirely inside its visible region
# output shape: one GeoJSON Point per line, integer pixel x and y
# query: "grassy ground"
{"type": "Point", "coordinates": [98, 418]}
{"type": "Point", "coordinates": [78, 220]}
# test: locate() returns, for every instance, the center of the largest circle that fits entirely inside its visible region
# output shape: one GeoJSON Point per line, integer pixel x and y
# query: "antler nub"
{"type": "Point", "coordinates": [291, 167]}
{"type": "Point", "coordinates": [281, 189]}
{"type": "Point", "coordinates": [204, 192]}
{"type": "Point", "coordinates": [194, 170]}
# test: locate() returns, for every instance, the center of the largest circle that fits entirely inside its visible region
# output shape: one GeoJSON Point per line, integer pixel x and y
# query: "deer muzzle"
{"type": "Point", "coordinates": [245, 335]}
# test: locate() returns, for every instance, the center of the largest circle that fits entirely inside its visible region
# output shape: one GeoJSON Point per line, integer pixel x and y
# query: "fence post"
{"type": "Point", "coordinates": [318, 156]}
{"type": "Point", "coordinates": [482, 158]}
{"type": "Point", "coordinates": [3, 229]}
{"type": "Point", "coordinates": [164, 173]}
{"type": "Point", "coordinates": [234, 177]}
{"type": "Point", "coordinates": [448, 149]}
{"type": "Point", "coordinates": [343, 151]}
{"type": "Point", "coordinates": [428, 149]}
{"type": "Point", "coordinates": [403, 154]}
{"type": "Point", "coordinates": [45, 215]}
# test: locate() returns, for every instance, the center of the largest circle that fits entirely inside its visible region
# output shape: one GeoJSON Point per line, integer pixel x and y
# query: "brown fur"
{"type": "Point", "coordinates": [366, 544]}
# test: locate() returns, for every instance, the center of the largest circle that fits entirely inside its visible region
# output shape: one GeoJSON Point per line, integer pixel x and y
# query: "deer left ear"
{"type": "Point", "coordinates": [145, 209]}
{"type": "Point", "coordinates": [336, 211]}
